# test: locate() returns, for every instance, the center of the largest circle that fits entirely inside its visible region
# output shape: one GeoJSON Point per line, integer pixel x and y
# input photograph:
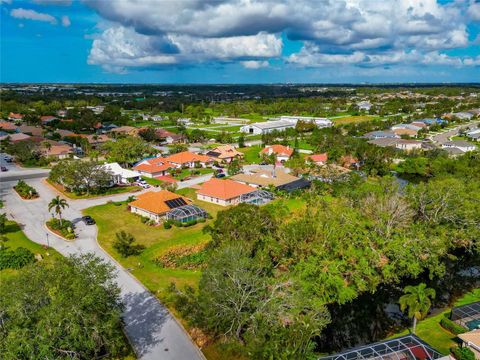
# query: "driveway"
{"type": "Point", "coordinates": [16, 172]}
{"type": "Point", "coordinates": [152, 330]}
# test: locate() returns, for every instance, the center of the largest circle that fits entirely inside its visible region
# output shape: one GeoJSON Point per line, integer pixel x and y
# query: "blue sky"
{"type": "Point", "coordinates": [240, 41]}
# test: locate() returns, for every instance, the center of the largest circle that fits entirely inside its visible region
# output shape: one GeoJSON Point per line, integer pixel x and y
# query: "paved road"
{"type": "Point", "coordinates": [152, 330]}
{"type": "Point", "coordinates": [16, 172]}
{"type": "Point", "coordinates": [445, 136]}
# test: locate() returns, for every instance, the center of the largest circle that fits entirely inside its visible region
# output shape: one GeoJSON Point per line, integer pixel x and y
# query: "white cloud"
{"type": "Point", "coordinates": [123, 47]}
{"type": "Point", "coordinates": [248, 31]}
{"type": "Point", "coordinates": [28, 14]}
{"type": "Point", "coordinates": [474, 11]}
{"type": "Point", "coordinates": [254, 64]}
{"type": "Point", "coordinates": [66, 21]}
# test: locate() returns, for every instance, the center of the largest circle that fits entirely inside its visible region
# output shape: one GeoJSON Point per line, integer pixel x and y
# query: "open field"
{"type": "Point", "coordinates": [430, 330]}
{"type": "Point", "coordinates": [354, 119]}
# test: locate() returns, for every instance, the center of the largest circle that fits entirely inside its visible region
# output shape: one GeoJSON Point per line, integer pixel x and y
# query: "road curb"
{"type": "Point", "coordinates": [202, 356]}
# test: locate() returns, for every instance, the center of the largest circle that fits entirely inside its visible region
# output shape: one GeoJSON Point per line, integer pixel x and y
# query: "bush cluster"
{"type": "Point", "coordinates": [452, 326]}
{"type": "Point", "coordinates": [462, 353]}
{"type": "Point", "coordinates": [15, 259]}
{"type": "Point", "coordinates": [25, 190]}
{"type": "Point", "coordinates": [65, 227]}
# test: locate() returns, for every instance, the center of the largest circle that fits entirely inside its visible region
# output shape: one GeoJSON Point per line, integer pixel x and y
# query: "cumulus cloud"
{"type": "Point", "coordinates": [254, 64]}
{"type": "Point", "coordinates": [28, 14]}
{"type": "Point", "coordinates": [123, 47]}
{"type": "Point", "coordinates": [474, 11]}
{"type": "Point", "coordinates": [66, 21]}
{"type": "Point", "coordinates": [364, 32]}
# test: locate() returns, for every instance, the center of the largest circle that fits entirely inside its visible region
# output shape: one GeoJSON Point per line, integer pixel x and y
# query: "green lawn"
{"type": "Point", "coordinates": [251, 154]}
{"type": "Point", "coordinates": [430, 330]}
{"type": "Point", "coordinates": [152, 181]}
{"type": "Point", "coordinates": [112, 218]}
{"type": "Point", "coordinates": [302, 144]}
{"type": "Point", "coordinates": [16, 238]}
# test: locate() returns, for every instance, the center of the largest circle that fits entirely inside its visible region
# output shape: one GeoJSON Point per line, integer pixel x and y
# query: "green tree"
{"type": "Point", "coordinates": [127, 150]}
{"type": "Point", "coordinates": [418, 300]}
{"type": "Point", "coordinates": [241, 141]}
{"type": "Point", "coordinates": [125, 244]}
{"type": "Point", "coordinates": [234, 167]}
{"type": "Point", "coordinates": [58, 205]}
{"type": "Point", "coordinates": [68, 309]}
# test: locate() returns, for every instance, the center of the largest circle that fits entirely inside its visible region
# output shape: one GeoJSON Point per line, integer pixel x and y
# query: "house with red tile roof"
{"type": "Point", "coordinates": [16, 137]}
{"type": "Point", "coordinates": [15, 116]}
{"type": "Point", "coordinates": [59, 151]}
{"type": "Point", "coordinates": [7, 126]}
{"type": "Point", "coordinates": [169, 137]}
{"type": "Point", "coordinates": [317, 159]}
{"type": "Point", "coordinates": [225, 153]}
{"type": "Point", "coordinates": [47, 119]}
{"type": "Point", "coordinates": [189, 159]}
{"type": "Point", "coordinates": [281, 152]}
{"type": "Point", "coordinates": [228, 192]}
{"type": "Point", "coordinates": [165, 205]}
{"type": "Point", "coordinates": [154, 167]}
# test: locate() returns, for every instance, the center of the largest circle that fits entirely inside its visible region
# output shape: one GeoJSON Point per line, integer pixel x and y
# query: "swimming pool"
{"type": "Point", "coordinates": [473, 324]}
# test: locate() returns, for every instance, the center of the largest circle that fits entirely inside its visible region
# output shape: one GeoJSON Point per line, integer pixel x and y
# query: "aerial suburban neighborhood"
{"type": "Point", "coordinates": [239, 180]}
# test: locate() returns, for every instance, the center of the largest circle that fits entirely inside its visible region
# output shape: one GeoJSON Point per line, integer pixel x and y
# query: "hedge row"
{"type": "Point", "coordinates": [452, 326]}
{"type": "Point", "coordinates": [15, 259]}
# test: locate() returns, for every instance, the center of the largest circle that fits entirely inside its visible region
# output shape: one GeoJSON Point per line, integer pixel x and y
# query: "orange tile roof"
{"type": "Point", "coordinates": [15, 116]}
{"type": "Point", "coordinates": [187, 157]}
{"type": "Point", "coordinates": [318, 157]}
{"type": "Point", "coordinates": [226, 152]}
{"type": "Point", "coordinates": [278, 150]}
{"type": "Point", "coordinates": [154, 201]}
{"type": "Point", "coordinates": [224, 189]}
{"type": "Point", "coordinates": [153, 168]}
{"type": "Point", "coordinates": [5, 125]}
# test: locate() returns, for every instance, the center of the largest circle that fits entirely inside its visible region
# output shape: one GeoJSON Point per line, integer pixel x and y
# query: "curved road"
{"type": "Point", "coordinates": [152, 330]}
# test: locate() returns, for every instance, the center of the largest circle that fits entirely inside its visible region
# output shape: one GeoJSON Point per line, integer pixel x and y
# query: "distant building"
{"type": "Point", "coordinates": [7, 126]}
{"type": "Point", "coordinates": [317, 159]}
{"type": "Point", "coordinates": [266, 127]}
{"type": "Point", "coordinates": [15, 117]}
{"type": "Point", "coordinates": [121, 175]}
{"type": "Point", "coordinates": [459, 144]}
{"type": "Point", "coordinates": [364, 105]}
{"type": "Point", "coordinates": [16, 137]}
{"type": "Point", "coordinates": [225, 153]}
{"type": "Point", "coordinates": [277, 178]}
{"type": "Point", "coordinates": [282, 153]}
{"type": "Point", "coordinates": [380, 135]}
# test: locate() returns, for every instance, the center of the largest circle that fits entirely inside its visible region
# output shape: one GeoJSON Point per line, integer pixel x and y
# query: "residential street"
{"type": "Point", "coordinates": [152, 330]}
{"type": "Point", "coordinates": [445, 136]}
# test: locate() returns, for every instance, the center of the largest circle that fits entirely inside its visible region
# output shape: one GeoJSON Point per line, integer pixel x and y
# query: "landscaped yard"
{"type": "Point", "coordinates": [251, 154]}
{"type": "Point", "coordinates": [112, 218]}
{"type": "Point", "coordinates": [430, 330]}
{"type": "Point", "coordinates": [110, 191]}
{"type": "Point", "coordinates": [354, 119]}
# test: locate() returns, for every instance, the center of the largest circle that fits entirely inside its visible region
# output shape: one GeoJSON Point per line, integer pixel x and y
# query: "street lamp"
{"type": "Point", "coordinates": [48, 242]}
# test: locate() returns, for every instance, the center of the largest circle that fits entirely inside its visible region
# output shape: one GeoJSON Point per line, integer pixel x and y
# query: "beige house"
{"type": "Point", "coordinates": [223, 192]}
{"type": "Point", "coordinates": [471, 340]}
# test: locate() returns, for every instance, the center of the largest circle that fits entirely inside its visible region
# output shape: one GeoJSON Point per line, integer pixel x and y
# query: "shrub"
{"type": "Point", "coordinates": [25, 190]}
{"type": "Point", "coordinates": [177, 223]}
{"type": "Point", "coordinates": [452, 326]}
{"type": "Point", "coordinates": [144, 219]}
{"type": "Point", "coordinates": [167, 225]}
{"type": "Point", "coordinates": [65, 227]}
{"type": "Point", "coordinates": [15, 259]}
{"type": "Point", "coordinates": [125, 244]}
{"type": "Point", "coordinates": [201, 220]}
{"type": "Point", "coordinates": [462, 353]}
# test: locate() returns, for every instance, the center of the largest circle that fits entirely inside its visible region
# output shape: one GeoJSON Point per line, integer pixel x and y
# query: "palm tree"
{"type": "Point", "coordinates": [58, 204]}
{"type": "Point", "coordinates": [418, 300]}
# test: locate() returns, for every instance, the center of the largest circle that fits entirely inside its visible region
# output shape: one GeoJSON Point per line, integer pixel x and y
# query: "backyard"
{"type": "Point", "coordinates": [430, 330]}
{"type": "Point", "coordinates": [251, 154]}
{"type": "Point", "coordinates": [353, 119]}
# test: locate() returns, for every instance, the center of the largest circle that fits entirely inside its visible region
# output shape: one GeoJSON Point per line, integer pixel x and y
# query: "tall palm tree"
{"type": "Point", "coordinates": [58, 204]}
{"type": "Point", "coordinates": [418, 300]}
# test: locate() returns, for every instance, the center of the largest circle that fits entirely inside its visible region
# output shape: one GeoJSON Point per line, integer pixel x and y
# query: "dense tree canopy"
{"type": "Point", "coordinates": [69, 309]}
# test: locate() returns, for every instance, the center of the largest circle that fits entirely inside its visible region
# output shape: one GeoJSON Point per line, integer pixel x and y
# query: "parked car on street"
{"type": "Point", "coordinates": [3, 168]}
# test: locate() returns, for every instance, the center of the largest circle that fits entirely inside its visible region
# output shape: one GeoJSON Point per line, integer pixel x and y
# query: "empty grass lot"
{"type": "Point", "coordinates": [110, 191]}
{"type": "Point", "coordinates": [354, 119]}
{"type": "Point", "coordinates": [430, 330]}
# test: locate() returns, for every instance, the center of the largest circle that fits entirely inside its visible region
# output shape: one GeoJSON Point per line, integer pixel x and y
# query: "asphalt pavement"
{"type": "Point", "coordinates": [150, 327]}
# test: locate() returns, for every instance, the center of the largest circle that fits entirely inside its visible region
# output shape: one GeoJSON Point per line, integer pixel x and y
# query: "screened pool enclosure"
{"type": "Point", "coordinates": [467, 315]}
{"type": "Point", "coordinates": [257, 197]}
{"type": "Point", "coordinates": [408, 347]}
{"type": "Point", "coordinates": [186, 213]}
